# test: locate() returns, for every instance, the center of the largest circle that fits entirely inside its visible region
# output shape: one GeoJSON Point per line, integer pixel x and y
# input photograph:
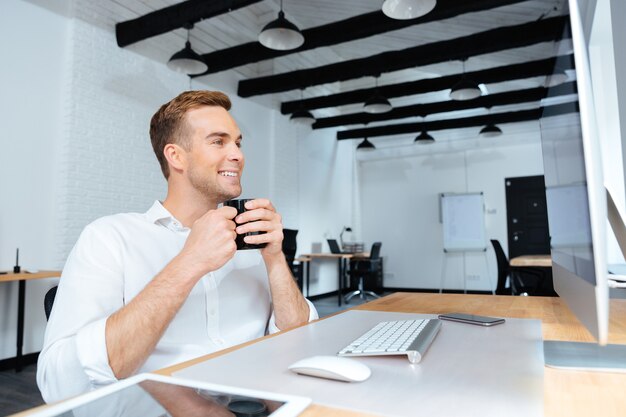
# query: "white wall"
{"type": "Point", "coordinates": [326, 202]}
{"type": "Point", "coordinates": [31, 115]}
{"type": "Point", "coordinates": [400, 206]}
{"type": "Point", "coordinates": [74, 120]}
{"type": "Point", "coordinates": [75, 116]}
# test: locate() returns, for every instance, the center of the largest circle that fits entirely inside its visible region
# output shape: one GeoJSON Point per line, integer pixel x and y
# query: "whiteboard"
{"type": "Point", "coordinates": [463, 220]}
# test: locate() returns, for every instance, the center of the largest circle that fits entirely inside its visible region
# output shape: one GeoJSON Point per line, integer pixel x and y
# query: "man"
{"type": "Point", "coordinates": [143, 291]}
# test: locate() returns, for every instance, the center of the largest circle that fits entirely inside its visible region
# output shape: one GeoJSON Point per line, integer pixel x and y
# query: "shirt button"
{"type": "Point", "coordinates": [212, 312]}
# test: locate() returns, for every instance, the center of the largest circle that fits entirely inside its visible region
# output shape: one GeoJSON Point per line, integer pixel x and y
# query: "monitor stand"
{"type": "Point", "coordinates": [584, 356]}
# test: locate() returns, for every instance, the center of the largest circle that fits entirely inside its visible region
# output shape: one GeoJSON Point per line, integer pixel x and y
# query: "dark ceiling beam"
{"type": "Point", "coordinates": [497, 118]}
{"type": "Point", "coordinates": [491, 100]}
{"type": "Point", "coordinates": [357, 27]}
{"type": "Point", "coordinates": [173, 17]}
{"type": "Point", "coordinates": [477, 44]}
{"type": "Point", "coordinates": [491, 75]}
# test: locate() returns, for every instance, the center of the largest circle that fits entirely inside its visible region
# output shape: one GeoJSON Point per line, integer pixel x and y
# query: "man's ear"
{"type": "Point", "coordinates": [176, 157]}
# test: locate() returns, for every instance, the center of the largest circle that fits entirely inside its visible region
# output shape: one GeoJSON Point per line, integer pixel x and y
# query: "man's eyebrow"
{"type": "Point", "coordinates": [223, 135]}
{"type": "Point", "coordinates": [220, 134]}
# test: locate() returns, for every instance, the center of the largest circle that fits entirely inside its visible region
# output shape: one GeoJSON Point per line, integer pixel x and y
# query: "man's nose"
{"type": "Point", "coordinates": [235, 153]}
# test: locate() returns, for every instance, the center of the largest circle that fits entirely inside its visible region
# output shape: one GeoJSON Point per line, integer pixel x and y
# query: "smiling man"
{"type": "Point", "coordinates": [143, 291]}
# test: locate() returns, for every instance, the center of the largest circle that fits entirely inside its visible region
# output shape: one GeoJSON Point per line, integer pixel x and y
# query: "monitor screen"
{"type": "Point", "coordinates": [574, 188]}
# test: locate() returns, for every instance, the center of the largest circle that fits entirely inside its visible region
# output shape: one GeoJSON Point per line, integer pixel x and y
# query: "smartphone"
{"type": "Point", "coordinates": [472, 319]}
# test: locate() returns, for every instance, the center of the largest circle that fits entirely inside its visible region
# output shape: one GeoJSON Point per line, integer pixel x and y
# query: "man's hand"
{"type": "Point", "coordinates": [261, 216]}
{"type": "Point", "coordinates": [211, 242]}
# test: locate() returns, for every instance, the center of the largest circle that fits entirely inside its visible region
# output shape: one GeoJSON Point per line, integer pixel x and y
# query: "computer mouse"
{"type": "Point", "coordinates": [332, 367]}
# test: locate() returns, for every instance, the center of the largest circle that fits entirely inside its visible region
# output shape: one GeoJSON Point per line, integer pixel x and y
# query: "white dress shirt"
{"type": "Point", "coordinates": [114, 258]}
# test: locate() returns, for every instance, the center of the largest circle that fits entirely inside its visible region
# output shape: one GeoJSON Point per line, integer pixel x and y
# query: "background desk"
{"type": "Point", "coordinates": [566, 393]}
{"type": "Point", "coordinates": [342, 259]}
{"type": "Point", "coordinates": [537, 261]}
{"type": "Point", "coordinates": [537, 265]}
{"type": "Point", "coordinates": [22, 278]}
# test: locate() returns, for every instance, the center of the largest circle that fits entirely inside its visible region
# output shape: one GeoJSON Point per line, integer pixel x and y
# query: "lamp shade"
{"type": "Point", "coordinates": [302, 116]}
{"type": "Point", "coordinates": [407, 9]}
{"type": "Point", "coordinates": [424, 138]}
{"type": "Point", "coordinates": [366, 145]}
{"type": "Point", "coordinates": [281, 34]}
{"type": "Point", "coordinates": [490, 131]}
{"type": "Point", "coordinates": [187, 61]}
{"type": "Point", "coordinates": [377, 104]}
{"type": "Point", "coordinates": [465, 90]}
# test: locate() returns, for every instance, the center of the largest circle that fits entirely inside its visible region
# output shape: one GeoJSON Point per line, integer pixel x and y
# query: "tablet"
{"type": "Point", "coordinates": [151, 395]}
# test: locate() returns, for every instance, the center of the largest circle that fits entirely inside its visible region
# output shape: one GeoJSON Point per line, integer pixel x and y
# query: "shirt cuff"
{"type": "Point", "coordinates": [272, 328]}
{"type": "Point", "coordinates": [92, 353]}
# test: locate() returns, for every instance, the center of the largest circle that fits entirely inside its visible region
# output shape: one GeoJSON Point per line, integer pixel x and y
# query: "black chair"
{"type": "Point", "coordinates": [504, 269]}
{"type": "Point", "coordinates": [527, 282]}
{"type": "Point", "coordinates": [290, 247]}
{"type": "Point", "coordinates": [362, 269]}
{"type": "Point", "coordinates": [48, 301]}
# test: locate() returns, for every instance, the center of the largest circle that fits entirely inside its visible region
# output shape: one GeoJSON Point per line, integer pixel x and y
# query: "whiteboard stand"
{"type": "Point", "coordinates": [443, 271]}
{"type": "Point", "coordinates": [463, 218]}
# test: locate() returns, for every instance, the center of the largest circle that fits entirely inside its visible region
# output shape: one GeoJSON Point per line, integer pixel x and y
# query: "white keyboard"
{"type": "Point", "coordinates": [401, 337]}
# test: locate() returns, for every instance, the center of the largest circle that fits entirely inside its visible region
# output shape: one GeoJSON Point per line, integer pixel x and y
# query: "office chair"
{"type": "Point", "coordinates": [504, 269]}
{"type": "Point", "coordinates": [48, 301]}
{"type": "Point", "coordinates": [290, 246]}
{"type": "Point", "coordinates": [518, 286]}
{"type": "Point", "coordinates": [362, 269]}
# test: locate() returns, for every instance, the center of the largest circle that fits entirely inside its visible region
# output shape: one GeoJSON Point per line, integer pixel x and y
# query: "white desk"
{"type": "Point", "coordinates": [471, 364]}
{"type": "Point", "coordinates": [565, 393]}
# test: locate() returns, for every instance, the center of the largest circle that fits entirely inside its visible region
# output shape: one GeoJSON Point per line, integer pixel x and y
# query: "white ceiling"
{"type": "Point", "coordinates": [243, 25]}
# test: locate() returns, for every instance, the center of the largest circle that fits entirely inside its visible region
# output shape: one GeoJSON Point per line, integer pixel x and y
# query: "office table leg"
{"type": "Point", "coordinates": [340, 281]}
{"type": "Point", "coordinates": [20, 324]}
{"type": "Point", "coordinates": [308, 276]}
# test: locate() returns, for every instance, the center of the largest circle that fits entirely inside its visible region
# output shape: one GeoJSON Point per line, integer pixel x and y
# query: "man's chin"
{"type": "Point", "coordinates": [229, 196]}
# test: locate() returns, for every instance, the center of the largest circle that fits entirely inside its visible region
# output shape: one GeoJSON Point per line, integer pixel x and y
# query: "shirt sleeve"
{"type": "Point", "coordinates": [272, 328]}
{"type": "Point", "coordinates": [74, 358]}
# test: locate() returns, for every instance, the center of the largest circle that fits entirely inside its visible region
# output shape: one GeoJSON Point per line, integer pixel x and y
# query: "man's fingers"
{"type": "Point", "coordinates": [260, 203]}
{"type": "Point", "coordinates": [227, 212]}
{"type": "Point", "coordinates": [257, 226]}
{"type": "Point", "coordinates": [263, 238]}
{"type": "Point", "coordinates": [257, 214]}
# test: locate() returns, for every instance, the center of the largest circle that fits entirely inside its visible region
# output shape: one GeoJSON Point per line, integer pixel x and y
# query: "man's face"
{"type": "Point", "coordinates": [215, 161]}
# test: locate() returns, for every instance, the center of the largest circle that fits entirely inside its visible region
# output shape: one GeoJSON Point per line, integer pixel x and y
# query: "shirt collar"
{"type": "Point", "coordinates": [158, 214]}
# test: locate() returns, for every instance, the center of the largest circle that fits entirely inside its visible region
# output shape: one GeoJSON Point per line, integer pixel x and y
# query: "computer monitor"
{"type": "Point", "coordinates": [577, 213]}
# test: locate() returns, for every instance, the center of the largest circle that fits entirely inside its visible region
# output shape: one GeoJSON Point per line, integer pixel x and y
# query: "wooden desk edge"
{"type": "Point", "coordinates": [531, 260]}
{"type": "Point", "coordinates": [24, 276]}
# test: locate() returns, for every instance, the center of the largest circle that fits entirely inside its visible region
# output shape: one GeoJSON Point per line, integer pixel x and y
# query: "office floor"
{"type": "Point", "coordinates": [18, 391]}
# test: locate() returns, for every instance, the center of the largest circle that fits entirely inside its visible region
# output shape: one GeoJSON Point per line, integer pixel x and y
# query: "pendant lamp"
{"type": "Point", "coordinates": [302, 115]}
{"type": "Point", "coordinates": [465, 89]}
{"type": "Point", "coordinates": [366, 145]}
{"type": "Point", "coordinates": [377, 103]}
{"type": "Point", "coordinates": [281, 34]}
{"type": "Point", "coordinates": [187, 60]}
{"type": "Point", "coordinates": [424, 138]}
{"type": "Point", "coordinates": [490, 130]}
{"type": "Point", "coordinates": [408, 9]}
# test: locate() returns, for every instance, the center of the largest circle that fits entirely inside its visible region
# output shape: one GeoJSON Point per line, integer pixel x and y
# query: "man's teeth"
{"type": "Point", "coordinates": [228, 174]}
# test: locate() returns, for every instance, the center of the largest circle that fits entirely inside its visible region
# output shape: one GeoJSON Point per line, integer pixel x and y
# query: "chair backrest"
{"type": "Point", "coordinates": [503, 267]}
{"type": "Point", "coordinates": [375, 251]}
{"type": "Point", "coordinates": [333, 246]}
{"type": "Point", "coordinates": [48, 301]}
{"type": "Point", "coordinates": [290, 245]}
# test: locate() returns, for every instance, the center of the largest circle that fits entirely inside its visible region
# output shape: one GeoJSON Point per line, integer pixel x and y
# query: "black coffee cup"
{"type": "Point", "coordinates": [240, 205]}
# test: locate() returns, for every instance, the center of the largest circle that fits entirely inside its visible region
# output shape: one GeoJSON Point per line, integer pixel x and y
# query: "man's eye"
{"type": "Point", "coordinates": [218, 142]}
{"type": "Point", "coordinates": [239, 144]}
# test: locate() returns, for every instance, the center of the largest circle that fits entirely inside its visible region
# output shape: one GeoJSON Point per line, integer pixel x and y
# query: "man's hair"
{"type": "Point", "coordinates": [168, 124]}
